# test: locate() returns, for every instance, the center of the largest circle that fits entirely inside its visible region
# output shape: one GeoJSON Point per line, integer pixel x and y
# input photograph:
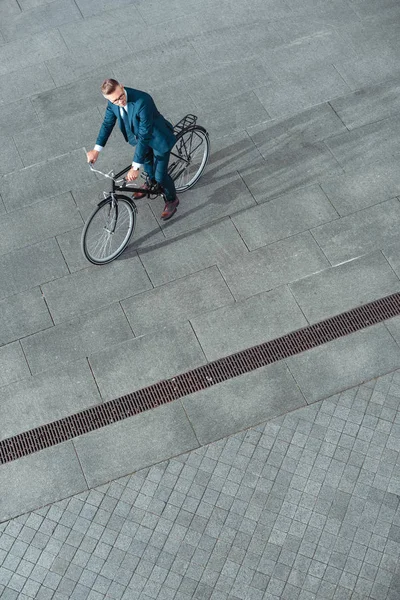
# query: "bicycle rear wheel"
{"type": "Point", "coordinates": [108, 230]}
{"type": "Point", "coordinates": [189, 157]}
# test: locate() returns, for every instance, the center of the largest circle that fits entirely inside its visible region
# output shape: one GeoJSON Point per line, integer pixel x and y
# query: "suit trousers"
{"type": "Point", "coordinates": [156, 168]}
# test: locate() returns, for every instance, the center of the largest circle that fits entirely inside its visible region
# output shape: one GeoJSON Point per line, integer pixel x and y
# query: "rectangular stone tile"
{"type": "Point", "coordinates": [94, 287]}
{"type": "Point", "coordinates": [21, 54]}
{"type": "Point", "coordinates": [392, 254]}
{"type": "Point", "coordinates": [91, 7]}
{"type": "Point", "coordinates": [131, 365]}
{"type": "Point", "coordinates": [230, 153]}
{"type": "Point", "coordinates": [226, 45]}
{"type": "Point", "coordinates": [368, 105]}
{"type": "Point", "coordinates": [180, 300]}
{"type": "Point", "coordinates": [156, 62]}
{"type": "Point", "coordinates": [39, 479]}
{"type": "Point", "coordinates": [272, 266]}
{"type": "Point", "coordinates": [57, 139]}
{"type": "Point", "coordinates": [295, 92]}
{"type": "Point", "coordinates": [311, 126]}
{"type": "Point", "coordinates": [284, 216]}
{"type": "Point", "coordinates": [227, 117]}
{"type": "Point", "coordinates": [370, 8]}
{"type": "Point", "coordinates": [372, 67]}
{"type": "Point", "coordinates": [173, 101]}
{"type": "Point", "coordinates": [370, 143]}
{"type": "Point", "coordinates": [346, 362]}
{"type": "Point", "coordinates": [52, 395]}
{"type": "Point", "coordinates": [9, 8]}
{"type": "Point", "coordinates": [70, 245]}
{"type": "Point", "coordinates": [26, 82]}
{"type": "Point", "coordinates": [346, 286]}
{"type": "Point", "coordinates": [226, 82]}
{"type": "Point", "coordinates": [297, 24]}
{"type": "Point", "coordinates": [69, 100]}
{"type": "Point", "coordinates": [22, 315]}
{"type": "Point", "coordinates": [370, 229]}
{"type": "Point", "coordinates": [208, 201]}
{"type": "Point", "coordinates": [192, 252]}
{"type": "Point", "coordinates": [45, 180]}
{"type": "Point", "coordinates": [242, 402]}
{"type": "Point", "coordinates": [10, 160]}
{"type": "Point", "coordinates": [24, 227]}
{"type": "Point", "coordinates": [253, 321]}
{"type": "Point", "coordinates": [40, 19]}
{"type": "Point", "coordinates": [363, 186]}
{"type": "Point", "coordinates": [158, 435]}
{"type": "Point", "coordinates": [64, 343]}
{"type": "Point", "coordinates": [84, 60]}
{"type": "Point", "coordinates": [393, 326]}
{"type": "Point", "coordinates": [13, 365]}
{"type": "Point", "coordinates": [31, 266]}
{"type": "Point", "coordinates": [12, 121]}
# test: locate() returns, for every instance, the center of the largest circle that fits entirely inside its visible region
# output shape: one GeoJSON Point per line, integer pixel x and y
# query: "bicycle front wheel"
{"type": "Point", "coordinates": [108, 230]}
{"type": "Point", "coordinates": [189, 157]}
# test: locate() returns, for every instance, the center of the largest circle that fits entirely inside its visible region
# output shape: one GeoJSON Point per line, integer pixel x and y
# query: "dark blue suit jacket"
{"type": "Point", "coordinates": [148, 126]}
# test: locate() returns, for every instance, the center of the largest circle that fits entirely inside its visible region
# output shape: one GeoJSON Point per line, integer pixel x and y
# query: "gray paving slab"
{"type": "Point", "coordinates": [9, 8]}
{"type": "Point", "coordinates": [92, 7]}
{"type": "Point", "coordinates": [368, 105]}
{"type": "Point", "coordinates": [69, 100]}
{"type": "Point", "coordinates": [227, 117]}
{"type": "Point", "coordinates": [343, 363]}
{"type": "Point", "coordinates": [230, 153]}
{"type": "Point", "coordinates": [295, 92]}
{"type": "Point", "coordinates": [367, 230]}
{"type": "Point", "coordinates": [372, 7]}
{"type": "Point", "coordinates": [23, 314]}
{"type": "Point", "coordinates": [229, 44]}
{"type": "Point", "coordinates": [29, 51]}
{"type": "Point", "coordinates": [284, 216]}
{"type": "Point", "coordinates": [363, 186]}
{"type": "Point", "coordinates": [56, 139]}
{"type": "Point", "coordinates": [226, 82]}
{"type": "Point", "coordinates": [10, 159]}
{"type": "Point", "coordinates": [76, 339]}
{"type": "Point", "coordinates": [13, 365]}
{"type": "Point", "coordinates": [55, 393]}
{"type": "Point", "coordinates": [110, 451]}
{"type": "Point", "coordinates": [278, 263]}
{"type": "Point", "coordinates": [371, 68]}
{"type": "Point", "coordinates": [392, 253]}
{"type": "Point", "coordinates": [253, 321]}
{"type": "Point", "coordinates": [180, 300]}
{"type": "Point", "coordinates": [309, 52]}
{"type": "Point", "coordinates": [312, 125]}
{"type": "Point", "coordinates": [12, 121]}
{"type": "Point", "coordinates": [346, 286]}
{"type": "Point", "coordinates": [28, 81]}
{"type": "Point", "coordinates": [131, 365]}
{"type": "Point", "coordinates": [370, 143]}
{"type": "Point", "coordinates": [242, 402]}
{"type": "Point", "coordinates": [192, 252]}
{"type": "Point", "coordinates": [393, 326]}
{"type": "Point", "coordinates": [207, 202]}
{"type": "Point", "coordinates": [174, 102]}
{"type": "Point", "coordinates": [40, 19]}
{"type": "Point", "coordinates": [299, 24]}
{"type": "Point", "coordinates": [45, 180]}
{"type": "Point", "coordinates": [154, 62]}
{"type": "Point", "coordinates": [31, 266]}
{"type": "Point", "coordinates": [40, 478]}
{"type": "Point", "coordinates": [94, 287]}
{"type": "Point", "coordinates": [87, 61]}
{"type": "Point", "coordinates": [29, 225]}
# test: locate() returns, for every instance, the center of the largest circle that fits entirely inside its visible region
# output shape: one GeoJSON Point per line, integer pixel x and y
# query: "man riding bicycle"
{"type": "Point", "coordinates": [145, 128]}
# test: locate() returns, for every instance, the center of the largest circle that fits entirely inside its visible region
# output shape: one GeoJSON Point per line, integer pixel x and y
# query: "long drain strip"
{"type": "Point", "coordinates": [198, 379]}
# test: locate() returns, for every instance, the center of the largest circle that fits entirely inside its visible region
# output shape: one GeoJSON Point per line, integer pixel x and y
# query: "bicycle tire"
{"type": "Point", "coordinates": [190, 143]}
{"type": "Point", "coordinates": [97, 242]}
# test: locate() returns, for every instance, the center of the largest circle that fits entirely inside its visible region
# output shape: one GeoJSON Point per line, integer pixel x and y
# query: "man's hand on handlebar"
{"type": "Point", "coordinates": [132, 174]}
{"type": "Point", "coordinates": [92, 156]}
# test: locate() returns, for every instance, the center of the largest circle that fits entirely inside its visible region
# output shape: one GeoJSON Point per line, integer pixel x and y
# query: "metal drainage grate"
{"type": "Point", "coordinates": [198, 379]}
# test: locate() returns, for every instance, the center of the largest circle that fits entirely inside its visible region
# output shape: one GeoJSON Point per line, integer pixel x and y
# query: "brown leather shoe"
{"type": "Point", "coordinates": [170, 209]}
{"type": "Point", "coordinates": [138, 195]}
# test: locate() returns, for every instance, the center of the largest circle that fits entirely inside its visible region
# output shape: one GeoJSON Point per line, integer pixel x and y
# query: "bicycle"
{"type": "Point", "coordinates": [110, 227]}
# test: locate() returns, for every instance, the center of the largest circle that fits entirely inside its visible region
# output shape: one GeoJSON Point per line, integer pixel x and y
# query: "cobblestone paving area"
{"type": "Point", "coordinates": [303, 507]}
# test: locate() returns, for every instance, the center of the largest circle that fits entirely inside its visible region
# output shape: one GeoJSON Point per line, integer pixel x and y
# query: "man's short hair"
{"type": "Point", "coordinates": [109, 86]}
